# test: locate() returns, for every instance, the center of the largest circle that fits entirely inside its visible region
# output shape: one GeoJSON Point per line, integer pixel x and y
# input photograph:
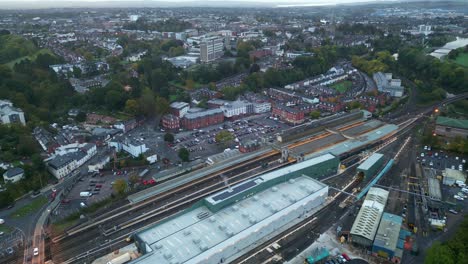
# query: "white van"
{"type": "Point", "coordinates": [465, 190]}
{"type": "Point", "coordinates": [460, 184]}
{"type": "Point", "coordinates": [85, 194]}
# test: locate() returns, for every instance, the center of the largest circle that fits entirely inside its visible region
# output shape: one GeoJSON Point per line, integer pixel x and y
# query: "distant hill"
{"type": "Point", "coordinates": [29, 4]}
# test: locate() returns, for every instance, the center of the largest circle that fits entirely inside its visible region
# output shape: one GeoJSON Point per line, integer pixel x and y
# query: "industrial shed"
{"type": "Point", "coordinates": [387, 237]}
{"type": "Point", "coordinates": [367, 221]}
{"type": "Point", "coordinates": [371, 165]}
{"type": "Point", "coordinates": [451, 176]}
{"type": "Point", "coordinates": [228, 224]}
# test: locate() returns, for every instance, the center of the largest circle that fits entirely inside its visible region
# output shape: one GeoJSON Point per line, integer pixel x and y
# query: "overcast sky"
{"type": "Point", "coordinates": [139, 3]}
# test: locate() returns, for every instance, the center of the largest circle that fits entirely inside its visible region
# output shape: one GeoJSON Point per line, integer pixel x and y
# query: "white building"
{"type": "Point", "coordinates": [179, 109]}
{"type": "Point", "coordinates": [230, 223]}
{"type": "Point", "coordinates": [132, 146]}
{"type": "Point", "coordinates": [66, 161]}
{"type": "Point", "coordinates": [99, 165]}
{"type": "Point", "coordinates": [13, 175]}
{"type": "Point", "coordinates": [263, 107]}
{"type": "Point", "coordinates": [10, 114]}
{"type": "Point", "coordinates": [211, 48]}
{"type": "Point", "coordinates": [386, 84]}
{"type": "Point", "coordinates": [237, 108]}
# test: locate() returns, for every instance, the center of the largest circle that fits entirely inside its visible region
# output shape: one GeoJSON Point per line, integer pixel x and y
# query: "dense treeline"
{"type": "Point", "coordinates": [13, 47]}
{"type": "Point", "coordinates": [431, 73]}
{"type": "Point", "coordinates": [453, 54]}
{"type": "Point", "coordinates": [170, 25]}
{"type": "Point", "coordinates": [451, 252]}
{"type": "Point", "coordinates": [17, 144]}
{"type": "Point", "coordinates": [357, 29]}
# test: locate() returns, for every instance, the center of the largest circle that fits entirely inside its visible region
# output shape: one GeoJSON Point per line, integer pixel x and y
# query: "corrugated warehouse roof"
{"type": "Point", "coordinates": [374, 158]}
{"type": "Point", "coordinates": [389, 231]}
{"type": "Point", "coordinates": [452, 122]}
{"type": "Point", "coordinates": [434, 189]}
{"type": "Point", "coordinates": [200, 234]}
{"type": "Point", "coordinates": [368, 218]}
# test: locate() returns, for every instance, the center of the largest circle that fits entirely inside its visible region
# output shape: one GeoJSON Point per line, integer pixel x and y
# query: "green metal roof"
{"type": "Point", "coordinates": [452, 122]}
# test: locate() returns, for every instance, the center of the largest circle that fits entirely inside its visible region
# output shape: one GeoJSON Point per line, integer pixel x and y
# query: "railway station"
{"type": "Point", "coordinates": [226, 225]}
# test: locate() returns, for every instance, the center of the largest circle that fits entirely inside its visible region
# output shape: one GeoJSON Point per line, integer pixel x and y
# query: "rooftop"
{"type": "Point", "coordinates": [454, 174]}
{"type": "Point", "coordinates": [179, 105]}
{"type": "Point", "coordinates": [389, 231]}
{"type": "Point", "coordinates": [62, 160]}
{"type": "Point", "coordinates": [360, 141]}
{"type": "Point", "coordinates": [232, 194]}
{"type": "Point", "coordinates": [434, 189]}
{"type": "Point", "coordinates": [366, 165]}
{"type": "Point", "coordinates": [368, 218]}
{"type": "Point", "coordinates": [200, 233]}
{"type": "Point", "coordinates": [13, 172]}
{"type": "Point", "coordinates": [452, 122]}
{"type": "Point", "coordinates": [203, 113]}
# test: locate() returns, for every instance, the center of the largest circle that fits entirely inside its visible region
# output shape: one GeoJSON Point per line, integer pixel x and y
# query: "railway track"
{"type": "Point", "coordinates": [118, 212]}
{"type": "Point", "coordinates": [67, 248]}
{"type": "Point", "coordinates": [119, 223]}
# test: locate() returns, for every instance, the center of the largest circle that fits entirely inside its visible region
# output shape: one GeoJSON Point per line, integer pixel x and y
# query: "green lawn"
{"type": "Point", "coordinates": [342, 86]}
{"type": "Point", "coordinates": [5, 229]}
{"type": "Point", "coordinates": [32, 207]}
{"type": "Point", "coordinates": [64, 225]}
{"type": "Point", "coordinates": [462, 59]}
{"type": "Point", "coordinates": [11, 64]}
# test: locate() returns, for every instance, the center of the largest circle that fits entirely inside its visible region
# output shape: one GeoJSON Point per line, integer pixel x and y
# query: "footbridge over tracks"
{"type": "Point", "coordinates": [337, 132]}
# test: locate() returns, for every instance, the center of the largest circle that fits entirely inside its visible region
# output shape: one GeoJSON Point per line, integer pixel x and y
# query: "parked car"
{"type": "Point", "coordinates": [65, 201]}
{"type": "Point", "coordinates": [458, 197]}
{"type": "Point", "coordinates": [2, 221]}
{"type": "Point", "coordinates": [345, 256]}
{"type": "Point", "coordinates": [453, 211]}
{"type": "Point", "coordinates": [36, 252]}
{"type": "Point", "coordinates": [10, 251]}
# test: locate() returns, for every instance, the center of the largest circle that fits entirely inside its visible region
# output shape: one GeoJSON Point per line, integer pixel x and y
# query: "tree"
{"type": "Point", "coordinates": [77, 72]}
{"type": "Point", "coordinates": [80, 117]}
{"type": "Point", "coordinates": [5, 198]}
{"type": "Point", "coordinates": [131, 106]}
{"type": "Point", "coordinates": [147, 103]}
{"type": "Point", "coordinates": [315, 114]}
{"type": "Point", "coordinates": [184, 154]}
{"type": "Point", "coordinates": [133, 179]}
{"type": "Point", "coordinates": [439, 254]}
{"type": "Point", "coordinates": [224, 137]}
{"type": "Point", "coordinates": [114, 99]}
{"type": "Point", "coordinates": [120, 186]}
{"type": "Point", "coordinates": [168, 137]}
{"type": "Point", "coordinates": [162, 105]}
